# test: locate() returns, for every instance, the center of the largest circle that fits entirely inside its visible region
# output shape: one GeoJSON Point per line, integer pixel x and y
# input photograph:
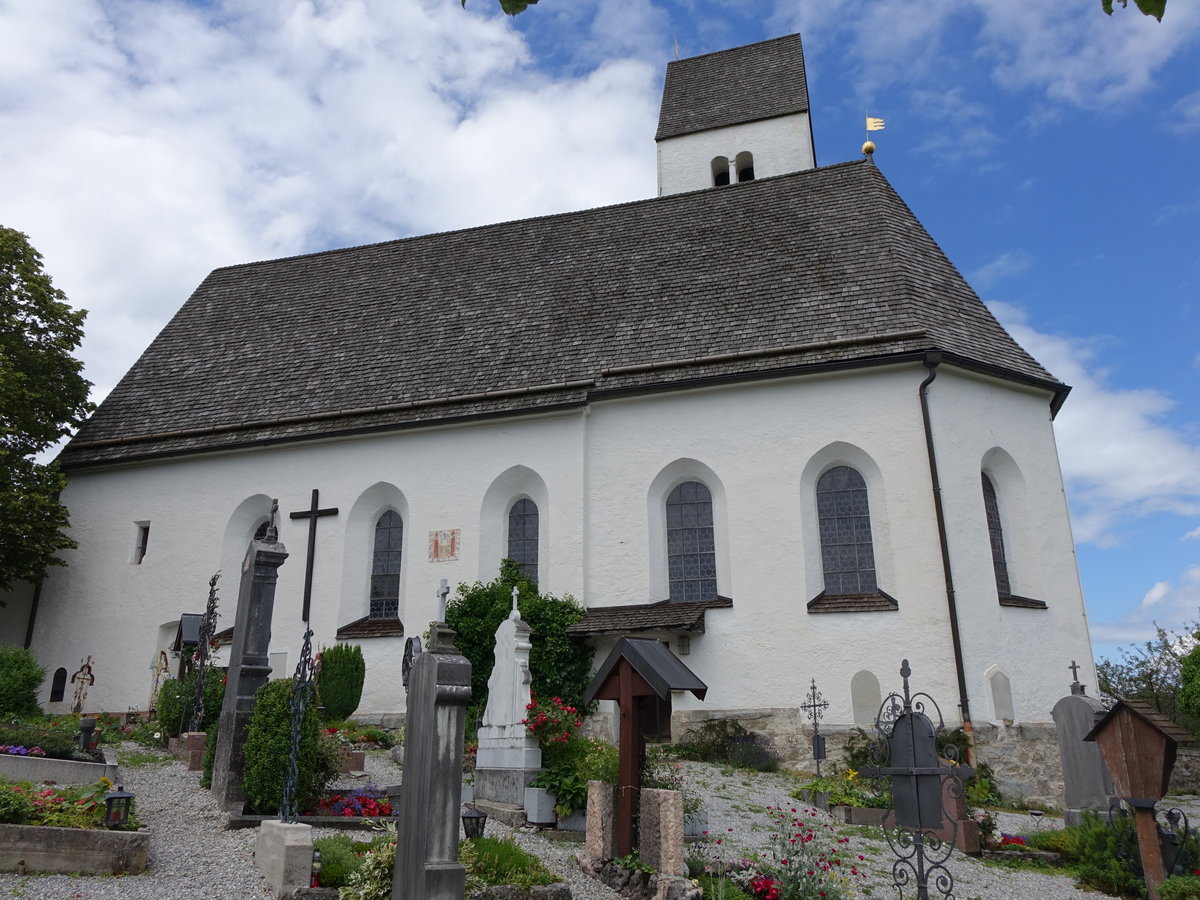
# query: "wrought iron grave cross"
{"type": "Point", "coordinates": [815, 706]}
{"type": "Point", "coordinates": [312, 514]}
{"type": "Point", "coordinates": [916, 827]}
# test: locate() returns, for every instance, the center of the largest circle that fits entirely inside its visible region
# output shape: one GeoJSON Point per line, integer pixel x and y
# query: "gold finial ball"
{"type": "Point", "coordinates": [868, 148]}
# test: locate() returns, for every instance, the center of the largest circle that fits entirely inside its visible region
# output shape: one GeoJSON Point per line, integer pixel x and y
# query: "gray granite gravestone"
{"type": "Point", "coordinates": [248, 664]}
{"type": "Point", "coordinates": [1087, 783]}
{"type": "Point", "coordinates": [439, 688]}
{"type": "Point", "coordinates": [509, 757]}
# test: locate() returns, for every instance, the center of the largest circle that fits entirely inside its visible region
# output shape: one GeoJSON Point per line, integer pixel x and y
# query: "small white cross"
{"type": "Point", "coordinates": [442, 592]}
{"type": "Point", "coordinates": [515, 593]}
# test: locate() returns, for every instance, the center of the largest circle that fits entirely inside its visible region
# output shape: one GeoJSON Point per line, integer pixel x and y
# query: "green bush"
{"type": "Point", "coordinates": [726, 741]}
{"type": "Point", "coordinates": [1098, 865]}
{"type": "Point", "coordinates": [20, 679]}
{"type": "Point", "coordinates": [560, 666]}
{"type": "Point", "coordinates": [177, 696]}
{"type": "Point", "coordinates": [339, 858]}
{"type": "Point", "coordinates": [1180, 887]}
{"type": "Point", "coordinates": [340, 680]}
{"type": "Point", "coordinates": [57, 742]}
{"type": "Point", "coordinates": [268, 741]}
{"type": "Point", "coordinates": [721, 889]}
{"type": "Point", "coordinates": [16, 807]}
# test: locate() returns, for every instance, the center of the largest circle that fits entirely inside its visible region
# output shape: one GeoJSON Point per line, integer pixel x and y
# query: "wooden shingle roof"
{"type": "Point", "coordinates": [730, 87]}
{"type": "Point", "coordinates": [829, 268]}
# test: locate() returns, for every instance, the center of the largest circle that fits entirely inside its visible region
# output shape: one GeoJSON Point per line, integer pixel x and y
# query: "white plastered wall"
{"type": "Point", "coordinates": [594, 474]}
{"type": "Point", "coordinates": [779, 146]}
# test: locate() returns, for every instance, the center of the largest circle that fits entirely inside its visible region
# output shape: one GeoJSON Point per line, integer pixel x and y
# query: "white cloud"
{"type": "Point", "coordinates": [1171, 604]}
{"type": "Point", "coordinates": [1194, 533]}
{"type": "Point", "coordinates": [177, 137]}
{"type": "Point", "coordinates": [1120, 459]}
{"type": "Point", "coordinates": [1007, 265]}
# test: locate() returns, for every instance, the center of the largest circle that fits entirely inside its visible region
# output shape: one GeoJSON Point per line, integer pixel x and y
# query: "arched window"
{"type": "Point", "coordinates": [720, 171]}
{"type": "Point", "coordinates": [523, 536]}
{"type": "Point", "coordinates": [844, 520]}
{"type": "Point", "coordinates": [260, 533]}
{"type": "Point", "coordinates": [744, 163]}
{"type": "Point", "coordinates": [996, 536]}
{"type": "Point", "coordinates": [58, 685]}
{"type": "Point", "coordinates": [1002, 701]}
{"type": "Point", "coordinates": [864, 696]}
{"type": "Point", "coordinates": [385, 566]}
{"type": "Point", "coordinates": [691, 552]}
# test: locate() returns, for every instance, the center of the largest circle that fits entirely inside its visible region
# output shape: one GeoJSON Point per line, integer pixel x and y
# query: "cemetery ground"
{"type": "Point", "coordinates": [193, 855]}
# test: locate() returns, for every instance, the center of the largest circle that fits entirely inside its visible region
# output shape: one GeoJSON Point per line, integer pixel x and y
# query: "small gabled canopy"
{"type": "Point", "coordinates": [1147, 713]}
{"type": "Point", "coordinates": [661, 669]}
{"type": "Point", "coordinates": [188, 631]}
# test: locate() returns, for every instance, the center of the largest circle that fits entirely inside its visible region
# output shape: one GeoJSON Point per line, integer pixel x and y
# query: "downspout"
{"type": "Point", "coordinates": [933, 359]}
{"type": "Point", "coordinates": [33, 611]}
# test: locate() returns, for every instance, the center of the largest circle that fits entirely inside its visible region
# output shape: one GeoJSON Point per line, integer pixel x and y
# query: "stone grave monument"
{"type": "Point", "coordinates": [248, 663]}
{"type": "Point", "coordinates": [1087, 783]}
{"type": "Point", "coordinates": [509, 757]}
{"type": "Point", "coordinates": [439, 688]}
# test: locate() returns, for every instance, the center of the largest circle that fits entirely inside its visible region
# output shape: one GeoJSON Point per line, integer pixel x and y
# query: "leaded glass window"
{"type": "Point", "coordinates": [847, 556]}
{"type": "Point", "coordinates": [385, 566]}
{"type": "Point", "coordinates": [523, 537]}
{"type": "Point", "coordinates": [996, 536]}
{"type": "Point", "coordinates": [691, 552]}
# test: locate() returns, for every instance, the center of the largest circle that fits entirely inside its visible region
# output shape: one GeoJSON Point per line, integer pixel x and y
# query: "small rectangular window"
{"type": "Point", "coordinates": [143, 539]}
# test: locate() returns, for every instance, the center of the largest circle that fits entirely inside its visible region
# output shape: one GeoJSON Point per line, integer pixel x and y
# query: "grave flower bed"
{"type": "Point", "coordinates": [368, 801]}
{"type": "Point", "coordinates": [60, 828]}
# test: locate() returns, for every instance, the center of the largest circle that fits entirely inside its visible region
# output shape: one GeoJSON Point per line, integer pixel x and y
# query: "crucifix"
{"type": "Point", "coordinates": [1076, 687]}
{"type": "Point", "coordinates": [312, 514]}
{"type": "Point", "coordinates": [815, 706]}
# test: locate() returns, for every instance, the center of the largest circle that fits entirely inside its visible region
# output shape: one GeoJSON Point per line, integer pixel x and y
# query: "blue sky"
{"type": "Point", "coordinates": [1047, 147]}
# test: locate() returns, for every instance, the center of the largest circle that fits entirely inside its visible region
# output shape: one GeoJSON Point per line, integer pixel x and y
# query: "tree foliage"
{"type": "Point", "coordinates": [1153, 672]}
{"type": "Point", "coordinates": [1154, 8]}
{"type": "Point", "coordinates": [559, 664]}
{"type": "Point", "coordinates": [511, 7]}
{"type": "Point", "coordinates": [340, 680]}
{"type": "Point", "coordinates": [43, 396]}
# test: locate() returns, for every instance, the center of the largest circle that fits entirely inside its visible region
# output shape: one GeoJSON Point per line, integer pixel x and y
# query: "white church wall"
{"type": "Point", "coordinates": [600, 479]}
{"type": "Point", "coordinates": [779, 146]}
{"type": "Point", "coordinates": [985, 426]}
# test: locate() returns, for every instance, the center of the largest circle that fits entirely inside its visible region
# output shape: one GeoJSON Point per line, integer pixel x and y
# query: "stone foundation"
{"type": "Point", "coordinates": [1185, 778]}
{"type": "Point", "coordinates": [1023, 757]}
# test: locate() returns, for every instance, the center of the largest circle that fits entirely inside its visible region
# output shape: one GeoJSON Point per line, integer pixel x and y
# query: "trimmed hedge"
{"type": "Point", "coordinates": [340, 680]}
{"type": "Point", "coordinates": [20, 680]}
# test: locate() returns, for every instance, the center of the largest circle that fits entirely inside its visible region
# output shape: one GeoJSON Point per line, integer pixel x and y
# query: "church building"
{"type": "Point", "coordinates": [760, 417]}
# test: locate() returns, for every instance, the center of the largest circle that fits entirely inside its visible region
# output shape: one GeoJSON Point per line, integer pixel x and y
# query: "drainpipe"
{"type": "Point", "coordinates": [33, 611]}
{"type": "Point", "coordinates": [933, 359]}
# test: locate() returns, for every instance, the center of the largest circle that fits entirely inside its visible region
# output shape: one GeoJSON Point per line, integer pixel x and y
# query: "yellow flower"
{"type": "Point", "coordinates": [851, 774]}
{"type": "Point", "coordinates": [106, 781]}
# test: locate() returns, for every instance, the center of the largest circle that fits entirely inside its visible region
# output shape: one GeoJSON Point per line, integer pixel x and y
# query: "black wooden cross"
{"type": "Point", "coordinates": [1074, 667]}
{"type": "Point", "coordinates": [312, 514]}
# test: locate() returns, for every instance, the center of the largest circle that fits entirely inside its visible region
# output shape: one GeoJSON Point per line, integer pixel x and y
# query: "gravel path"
{"type": "Point", "coordinates": [193, 856]}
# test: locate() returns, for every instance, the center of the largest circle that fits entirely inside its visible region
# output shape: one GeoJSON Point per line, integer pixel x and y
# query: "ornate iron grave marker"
{"type": "Point", "coordinates": [917, 829]}
{"type": "Point", "coordinates": [208, 627]}
{"type": "Point", "coordinates": [815, 706]}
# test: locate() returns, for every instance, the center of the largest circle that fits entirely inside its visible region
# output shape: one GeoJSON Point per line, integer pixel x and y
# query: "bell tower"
{"type": "Point", "coordinates": [734, 116]}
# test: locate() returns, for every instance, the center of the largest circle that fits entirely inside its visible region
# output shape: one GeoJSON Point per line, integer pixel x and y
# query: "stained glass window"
{"type": "Point", "coordinates": [691, 552]}
{"type": "Point", "coordinates": [996, 536]}
{"type": "Point", "coordinates": [523, 537]}
{"type": "Point", "coordinates": [844, 519]}
{"type": "Point", "coordinates": [385, 566]}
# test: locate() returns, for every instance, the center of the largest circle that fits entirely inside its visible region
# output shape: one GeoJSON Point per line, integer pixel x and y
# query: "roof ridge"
{"type": "Point", "coordinates": [545, 217]}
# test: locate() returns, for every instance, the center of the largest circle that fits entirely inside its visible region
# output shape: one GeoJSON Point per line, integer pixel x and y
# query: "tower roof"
{"type": "Point", "coordinates": [745, 84]}
{"type": "Point", "coordinates": [830, 269]}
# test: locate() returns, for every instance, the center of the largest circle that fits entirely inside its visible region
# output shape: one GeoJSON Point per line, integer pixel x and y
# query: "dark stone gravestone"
{"type": "Point", "coordinates": [248, 664]}
{"type": "Point", "coordinates": [1086, 781]}
{"type": "Point", "coordinates": [439, 689]}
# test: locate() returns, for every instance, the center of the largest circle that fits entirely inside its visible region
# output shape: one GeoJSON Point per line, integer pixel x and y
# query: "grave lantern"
{"type": "Point", "coordinates": [473, 821]}
{"type": "Point", "coordinates": [117, 806]}
{"type": "Point", "coordinates": [639, 674]}
{"type": "Point", "coordinates": [315, 879]}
